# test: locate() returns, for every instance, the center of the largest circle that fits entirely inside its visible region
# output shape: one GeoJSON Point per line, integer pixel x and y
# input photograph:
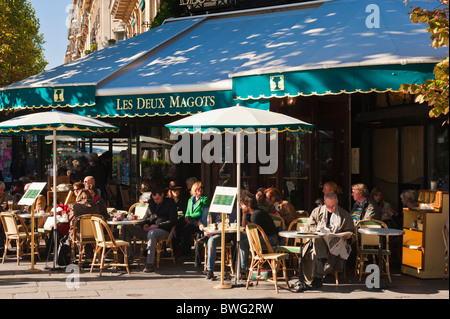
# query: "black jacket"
{"type": "Point", "coordinates": [164, 215]}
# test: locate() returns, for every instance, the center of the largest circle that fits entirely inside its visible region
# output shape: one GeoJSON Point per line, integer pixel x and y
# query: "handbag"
{"type": "Point", "coordinates": [63, 256]}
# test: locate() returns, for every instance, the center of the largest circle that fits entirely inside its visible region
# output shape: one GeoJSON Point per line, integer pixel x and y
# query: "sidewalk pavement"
{"type": "Point", "coordinates": [184, 282]}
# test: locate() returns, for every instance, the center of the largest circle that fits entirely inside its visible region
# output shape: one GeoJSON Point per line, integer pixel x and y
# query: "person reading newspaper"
{"type": "Point", "coordinates": [327, 253]}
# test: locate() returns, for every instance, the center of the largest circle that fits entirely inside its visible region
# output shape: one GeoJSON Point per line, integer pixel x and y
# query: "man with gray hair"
{"type": "Point", "coordinates": [364, 206]}
{"type": "Point", "coordinates": [328, 253]}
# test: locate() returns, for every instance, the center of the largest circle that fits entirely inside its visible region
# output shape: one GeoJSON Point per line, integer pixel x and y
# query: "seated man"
{"type": "Point", "coordinates": [214, 241]}
{"type": "Point", "coordinates": [252, 214]}
{"type": "Point", "coordinates": [158, 221]}
{"type": "Point", "coordinates": [364, 206]}
{"type": "Point", "coordinates": [326, 254]}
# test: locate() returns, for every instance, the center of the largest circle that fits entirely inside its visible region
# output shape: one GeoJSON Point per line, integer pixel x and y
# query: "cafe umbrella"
{"type": "Point", "coordinates": [237, 120]}
{"type": "Point", "coordinates": [54, 123]}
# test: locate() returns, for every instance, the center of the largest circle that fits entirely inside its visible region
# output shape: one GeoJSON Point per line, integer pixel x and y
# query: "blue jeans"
{"type": "Point", "coordinates": [213, 242]}
{"type": "Point", "coordinates": [153, 236]}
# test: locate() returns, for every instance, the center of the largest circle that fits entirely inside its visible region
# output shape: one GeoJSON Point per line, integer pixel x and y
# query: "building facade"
{"type": "Point", "coordinates": [96, 24]}
{"type": "Point", "coordinates": [365, 130]}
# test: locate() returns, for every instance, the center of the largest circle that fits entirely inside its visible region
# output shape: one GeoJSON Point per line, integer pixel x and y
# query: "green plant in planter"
{"type": "Point", "coordinates": [156, 169]}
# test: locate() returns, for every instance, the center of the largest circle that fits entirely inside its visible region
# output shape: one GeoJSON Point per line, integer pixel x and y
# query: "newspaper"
{"type": "Point", "coordinates": [337, 243]}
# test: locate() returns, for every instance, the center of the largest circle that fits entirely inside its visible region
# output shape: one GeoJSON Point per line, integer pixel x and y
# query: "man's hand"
{"type": "Point", "coordinates": [148, 228]}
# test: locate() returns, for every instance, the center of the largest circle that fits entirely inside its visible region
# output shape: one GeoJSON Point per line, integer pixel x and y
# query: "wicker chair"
{"type": "Point", "coordinates": [292, 246]}
{"type": "Point", "coordinates": [105, 246]}
{"type": "Point", "coordinates": [82, 236]}
{"type": "Point", "coordinates": [259, 258]}
{"type": "Point", "coordinates": [21, 236]}
{"type": "Point", "coordinates": [160, 246]}
{"type": "Point", "coordinates": [367, 245]}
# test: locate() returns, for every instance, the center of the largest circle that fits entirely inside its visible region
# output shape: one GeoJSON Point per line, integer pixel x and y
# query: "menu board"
{"type": "Point", "coordinates": [32, 193]}
{"type": "Point", "coordinates": [223, 200]}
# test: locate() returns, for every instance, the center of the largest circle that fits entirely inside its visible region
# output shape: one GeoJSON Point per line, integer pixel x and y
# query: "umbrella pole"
{"type": "Point", "coordinates": [238, 210]}
{"type": "Point", "coordinates": [55, 251]}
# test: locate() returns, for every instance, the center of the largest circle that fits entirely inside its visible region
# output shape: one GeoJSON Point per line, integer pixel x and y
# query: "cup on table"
{"type": "Point", "coordinates": [10, 205]}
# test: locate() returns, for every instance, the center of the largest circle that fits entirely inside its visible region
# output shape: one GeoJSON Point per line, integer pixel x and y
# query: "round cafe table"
{"type": "Point", "coordinates": [28, 215]}
{"type": "Point", "coordinates": [300, 285]}
{"type": "Point", "coordinates": [380, 232]}
{"type": "Point", "coordinates": [212, 231]}
{"type": "Point", "coordinates": [124, 222]}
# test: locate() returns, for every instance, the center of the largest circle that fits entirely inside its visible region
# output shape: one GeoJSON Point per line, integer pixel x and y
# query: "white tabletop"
{"type": "Point", "coordinates": [381, 231]}
{"type": "Point", "coordinates": [28, 215]}
{"type": "Point", "coordinates": [212, 231]}
{"type": "Point", "coordinates": [298, 234]}
{"type": "Point", "coordinates": [125, 222]}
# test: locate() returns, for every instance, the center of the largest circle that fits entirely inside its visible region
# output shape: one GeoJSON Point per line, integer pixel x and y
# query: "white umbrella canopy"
{"type": "Point", "coordinates": [238, 119]}
{"type": "Point", "coordinates": [45, 123]}
{"type": "Point", "coordinates": [52, 123]}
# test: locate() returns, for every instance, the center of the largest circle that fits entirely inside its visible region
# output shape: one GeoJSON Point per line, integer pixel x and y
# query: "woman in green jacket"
{"type": "Point", "coordinates": [193, 216]}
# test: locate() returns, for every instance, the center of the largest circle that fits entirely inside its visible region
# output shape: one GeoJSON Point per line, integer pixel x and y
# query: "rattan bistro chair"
{"type": "Point", "coordinates": [254, 233]}
{"type": "Point", "coordinates": [292, 246]}
{"type": "Point", "coordinates": [160, 247]}
{"type": "Point", "coordinates": [105, 246]}
{"type": "Point", "coordinates": [82, 236]}
{"type": "Point", "coordinates": [228, 256]}
{"type": "Point", "coordinates": [367, 245]}
{"type": "Point", "coordinates": [160, 244]}
{"type": "Point", "coordinates": [21, 236]}
{"type": "Point", "coordinates": [138, 209]}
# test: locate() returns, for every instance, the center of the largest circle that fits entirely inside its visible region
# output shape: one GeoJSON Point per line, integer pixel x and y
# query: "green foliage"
{"type": "Point", "coordinates": [434, 92]}
{"type": "Point", "coordinates": [156, 169]}
{"type": "Point", "coordinates": [21, 54]}
{"type": "Point", "coordinates": [167, 9]}
{"type": "Point", "coordinates": [93, 47]}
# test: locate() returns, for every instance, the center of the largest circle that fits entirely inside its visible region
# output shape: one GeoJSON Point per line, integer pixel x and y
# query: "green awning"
{"type": "Point", "coordinates": [46, 97]}
{"type": "Point", "coordinates": [156, 104]}
{"type": "Point", "coordinates": [332, 81]}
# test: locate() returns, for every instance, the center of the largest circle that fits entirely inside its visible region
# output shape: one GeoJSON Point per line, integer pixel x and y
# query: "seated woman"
{"type": "Point", "coordinates": [196, 203]}
{"type": "Point", "coordinates": [99, 200]}
{"type": "Point", "coordinates": [280, 207]}
{"type": "Point", "coordinates": [84, 205]}
{"type": "Point", "coordinates": [261, 199]}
